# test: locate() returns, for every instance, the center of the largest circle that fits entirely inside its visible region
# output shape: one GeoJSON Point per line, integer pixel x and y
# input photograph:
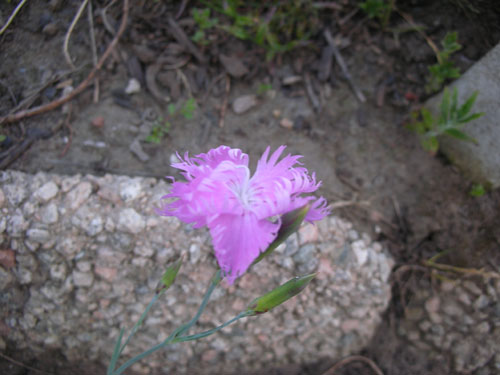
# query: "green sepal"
{"type": "Point", "coordinates": [290, 222]}
{"type": "Point", "coordinates": [169, 276]}
{"type": "Point", "coordinates": [279, 295]}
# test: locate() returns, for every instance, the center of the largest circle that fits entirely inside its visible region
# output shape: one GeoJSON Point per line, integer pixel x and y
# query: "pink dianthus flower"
{"type": "Point", "coordinates": [241, 211]}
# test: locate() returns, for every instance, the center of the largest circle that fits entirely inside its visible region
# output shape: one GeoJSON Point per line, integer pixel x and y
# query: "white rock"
{"type": "Point", "coordinates": [49, 214]}
{"type": "Point", "coordinates": [130, 190]}
{"type": "Point", "coordinates": [82, 279]}
{"type": "Point", "coordinates": [360, 251]}
{"type": "Point", "coordinates": [38, 235]}
{"type": "Point", "coordinates": [2, 198]}
{"type": "Point", "coordinates": [78, 195]}
{"type": "Point", "coordinates": [130, 221]}
{"type": "Point", "coordinates": [133, 86]}
{"type": "Point", "coordinates": [244, 103]}
{"type": "Point", "coordinates": [47, 191]}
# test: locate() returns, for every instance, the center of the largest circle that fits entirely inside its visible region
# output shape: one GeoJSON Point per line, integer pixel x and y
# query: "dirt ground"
{"type": "Point", "coordinates": [417, 204]}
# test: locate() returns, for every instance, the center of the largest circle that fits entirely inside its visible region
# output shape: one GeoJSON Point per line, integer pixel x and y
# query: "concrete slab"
{"type": "Point", "coordinates": [479, 162]}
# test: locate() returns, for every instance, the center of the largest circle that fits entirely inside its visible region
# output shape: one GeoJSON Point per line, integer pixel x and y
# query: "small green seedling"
{"type": "Point", "coordinates": [160, 129]}
{"type": "Point", "coordinates": [204, 23]}
{"type": "Point", "coordinates": [188, 109]}
{"type": "Point", "coordinates": [263, 88]}
{"type": "Point", "coordinates": [2, 137]}
{"type": "Point", "coordinates": [378, 9]}
{"type": "Point", "coordinates": [444, 69]}
{"type": "Point", "coordinates": [449, 121]}
{"type": "Point", "coordinates": [477, 190]}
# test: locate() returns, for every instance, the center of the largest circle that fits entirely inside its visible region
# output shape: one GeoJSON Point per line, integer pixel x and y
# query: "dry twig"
{"type": "Point", "coordinates": [70, 131]}
{"type": "Point", "coordinates": [223, 108]}
{"type": "Point", "coordinates": [12, 16]}
{"type": "Point", "coordinates": [93, 48]}
{"type": "Point", "coordinates": [354, 358]}
{"type": "Point", "coordinates": [343, 66]}
{"type": "Point", "coordinates": [82, 86]}
{"type": "Point", "coordinates": [70, 31]}
{"type": "Point", "coordinates": [12, 360]}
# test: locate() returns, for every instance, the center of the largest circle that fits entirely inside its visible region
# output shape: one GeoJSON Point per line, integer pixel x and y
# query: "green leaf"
{"type": "Point", "coordinates": [467, 106]}
{"type": "Point", "coordinates": [188, 108]}
{"type": "Point", "coordinates": [471, 117]}
{"type": "Point", "coordinates": [171, 109]}
{"type": "Point", "coordinates": [459, 135]}
{"type": "Point", "coordinates": [279, 295]}
{"type": "Point", "coordinates": [445, 105]}
{"type": "Point", "coordinates": [116, 353]}
{"type": "Point", "coordinates": [2, 137]}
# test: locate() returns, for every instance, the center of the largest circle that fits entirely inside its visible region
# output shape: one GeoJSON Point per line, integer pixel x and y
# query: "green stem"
{"type": "Point", "coordinates": [139, 322]}
{"type": "Point", "coordinates": [213, 283]}
{"type": "Point", "coordinates": [179, 331]}
{"type": "Point", "coordinates": [201, 335]}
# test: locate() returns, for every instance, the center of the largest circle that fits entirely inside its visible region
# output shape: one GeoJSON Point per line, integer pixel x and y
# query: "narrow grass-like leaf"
{"type": "Point", "coordinates": [116, 353]}
{"type": "Point", "coordinates": [454, 132]}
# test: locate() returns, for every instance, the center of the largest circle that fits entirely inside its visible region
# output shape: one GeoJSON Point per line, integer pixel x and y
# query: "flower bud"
{"type": "Point", "coordinates": [290, 222]}
{"type": "Point", "coordinates": [279, 295]}
{"type": "Point", "coordinates": [169, 276]}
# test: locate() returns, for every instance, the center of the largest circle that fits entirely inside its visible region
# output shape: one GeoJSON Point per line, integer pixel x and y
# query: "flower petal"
{"type": "Point", "coordinates": [238, 240]}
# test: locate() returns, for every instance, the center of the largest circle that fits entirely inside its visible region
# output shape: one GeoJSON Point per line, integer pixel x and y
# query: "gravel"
{"type": "Point", "coordinates": [89, 251]}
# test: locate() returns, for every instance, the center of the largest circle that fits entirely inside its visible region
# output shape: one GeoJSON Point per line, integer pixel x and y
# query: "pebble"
{"type": "Point", "coordinates": [82, 279]}
{"type": "Point", "coordinates": [130, 221]}
{"type": "Point", "coordinates": [2, 198]}
{"type": "Point", "coordinates": [286, 123]}
{"type": "Point", "coordinates": [49, 214]}
{"type": "Point", "coordinates": [133, 86]}
{"type": "Point", "coordinates": [76, 197]}
{"type": "Point", "coordinates": [38, 235]}
{"type": "Point", "coordinates": [244, 103]}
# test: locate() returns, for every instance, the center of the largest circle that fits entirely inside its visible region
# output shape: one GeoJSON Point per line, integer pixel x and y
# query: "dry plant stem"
{"type": "Point", "coordinates": [427, 39]}
{"type": "Point", "coordinates": [12, 16]}
{"type": "Point", "coordinates": [105, 21]}
{"type": "Point", "coordinates": [354, 358]}
{"type": "Point", "coordinates": [93, 48]}
{"type": "Point", "coordinates": [343, 66]}
{"type": "Point", "coordinates": [82, 86]}
{"type": "Point", "coordinates": [70, 130]}
{"type": "Point", "coordinates": [12, 360]}
{"type": "Point", "coordinates": [70, 30]}
{"type": "Point", "coordinates": [223, 108]}
{"type": "Point", "coordinates": [311, 94]}
{"type": "Point", "coordinates": [462, 270]}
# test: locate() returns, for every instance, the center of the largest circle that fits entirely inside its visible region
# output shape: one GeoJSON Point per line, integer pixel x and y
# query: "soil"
{"type": "Point", "coordinates": [417, 204]}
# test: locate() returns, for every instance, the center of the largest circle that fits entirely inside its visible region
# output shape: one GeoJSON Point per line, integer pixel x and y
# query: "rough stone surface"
{"type": "Point", "coordinates": [480, 162]}
{"type": "Point", "coordinates": [445, 323]}
{"type": "Point", "coordinates": [86, 254]}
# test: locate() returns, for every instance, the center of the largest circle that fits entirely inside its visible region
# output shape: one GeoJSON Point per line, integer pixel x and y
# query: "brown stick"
{"type": "Point", "coordinates": [353, 358]}
{"type": "Point", "coordinates": [58, 102]}
{"type": "Point", "coordinates": [12, 360]}
{"type": "Point", "coordinates": [223, 108]}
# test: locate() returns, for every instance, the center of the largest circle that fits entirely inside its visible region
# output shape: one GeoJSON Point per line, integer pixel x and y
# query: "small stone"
{"type": "Point", "coordinates": [350, 325]}
{"type": "Point", "coordinates": [47, 191]}
{"type": "Point", "coordinates": [308, 233]}
{"type": "Point", "coordinates": [130, 190]}
{"type": "Point", "coordinates": [2, 198]}
{"type": "Point", "coordinates": [291, 80]}
{"type": "Point", "coordinates": [7, 258]}
{"type": "Point", "coordinates": [286, 123]}
{"type": "Point", "coordinates": [136, 148]}
{"type": "Point", "coordinates": [244, 103]}
{"type": "Point", "coordinates": [78, 195]}
{"type": "Point", "coordinates": [107, 273]}
{"type": "Point", "coordinates": [83, 265]}
{"type": "Point", "coordinates": [276, 113]}
{"type": "Point", "coordinates": [130, 221]}
{"type": "Point", "coordinates": [88, 220]}
{"type": "Point", "coordinates": [133, 86]}
{"type": "Point", "coordinates": [143, 251]}
{"type": "Point", "coordinates": [58, 271]}
{"type": "Point", "coordinates": [5, 279]}
{"type": "Point", "coordinates": [49, 214]}
{"type": "Point", "coordinates": [15, 194]}
{"type": "Point", "coordinates": [481, 302]}
{"type": "Point", "coordinates": [194, 253]}
{"type": "Point", "coordinates": [82, 279]}
{"type": "Point", "coordinates": [209, 355]}
{"type": "Point", "coordinates": [68, 183]}
{"type": "Point", "coordinates": [50, 29]}
{"type": "Point", "coordinates": [452, 308]}
{"type": "Point", "coordinates": [432, 305]}
{"type": "Point", "coordinates": [97, 122]}
{"type": "Point", "coordinates": [360, 251]}
{"type": "Point", "coordinates": [38, 235]}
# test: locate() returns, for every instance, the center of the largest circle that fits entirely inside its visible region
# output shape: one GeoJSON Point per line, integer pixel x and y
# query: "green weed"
{"type": "Point", "coordinates": [444, 69]}
{"type": "Point", "coordinates": [162, 126]}
{"type": "Point", "coordinates": [263, 88]}
{"type": "Point", "coordinates": [278, 26]}
{"type": "Point", "coordinates": [477, 190]}
{"type": "Point", "coordinates": [379, 9]}
{"type": "Point", "coordinates": [204, 23]}
{"type": "Point", "coordinates": [449, 122]}
{"type": "Point", "coordinates": [160, 129]}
